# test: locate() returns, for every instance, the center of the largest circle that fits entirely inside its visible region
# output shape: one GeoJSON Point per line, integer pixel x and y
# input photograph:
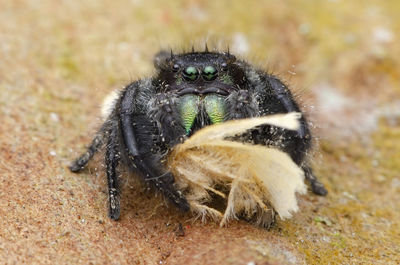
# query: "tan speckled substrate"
{"type": "Point", "coordinates": [59, 59]}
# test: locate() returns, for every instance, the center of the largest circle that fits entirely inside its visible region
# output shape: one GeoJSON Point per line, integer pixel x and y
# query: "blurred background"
{"type": "Point", "coordinates": [58, 59]}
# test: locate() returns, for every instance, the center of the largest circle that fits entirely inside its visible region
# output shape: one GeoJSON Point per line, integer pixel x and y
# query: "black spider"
{"type": "Point", "coordinates": [190, 91]}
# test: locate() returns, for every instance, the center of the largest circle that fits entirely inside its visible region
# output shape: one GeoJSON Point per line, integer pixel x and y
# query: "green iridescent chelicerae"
{"type": "Point", "coordinates": [190, 106]}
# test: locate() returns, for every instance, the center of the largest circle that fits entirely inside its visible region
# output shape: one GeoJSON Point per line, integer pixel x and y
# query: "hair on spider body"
{"type": "Point", "coordinates": [189, 91]}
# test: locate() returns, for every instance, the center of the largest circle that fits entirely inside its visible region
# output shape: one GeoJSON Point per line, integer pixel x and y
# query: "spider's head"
{"type": "Point", "coordinates": [202, 82]}
{"type": "Point", "coordinates": [199, 73]}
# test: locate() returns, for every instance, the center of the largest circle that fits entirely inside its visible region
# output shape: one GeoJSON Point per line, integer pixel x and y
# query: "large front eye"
{"type": "Point", "coordinates": [209, 73]}
{"type": "Point", "coordinates": [190, 73]}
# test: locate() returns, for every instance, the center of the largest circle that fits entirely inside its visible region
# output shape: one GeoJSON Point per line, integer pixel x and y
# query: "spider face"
{"type": "Point", "coordinates": [201, 82]}
{"type": "Point", "coordinates": [189, 91]}
{"type": "Point", "coordinates": [199, 73]}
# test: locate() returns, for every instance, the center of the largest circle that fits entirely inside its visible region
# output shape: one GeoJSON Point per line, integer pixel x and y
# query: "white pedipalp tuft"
{"type": "Point", "coordinates": [108, 104]}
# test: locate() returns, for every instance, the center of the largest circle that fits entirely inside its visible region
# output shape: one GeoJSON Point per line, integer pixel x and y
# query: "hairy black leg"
{"type": "Point", "coordinates": [303, 136]}
{"type": "Point", "coordinates": [316, 186]}
{"type": "Point", "coordinates": [241, 104]}
{"type": "Point", "coordinates": [145, 162]}
{"type": "Point", "coordinates": [274, 97]}
{"type": "Point", "coordinates": [112, 160]}
{"type": "Point", "coordinates": [83, 159]}
{"type": "Point", "coordinates": [164, 110]}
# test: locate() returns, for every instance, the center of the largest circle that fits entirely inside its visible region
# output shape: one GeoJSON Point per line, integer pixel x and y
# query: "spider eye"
{"type": "Point", "coordinates": [176, 67]}
{"type": "Point", "coordinates": [209, 73]}
{"type": "Point", "coordinates": [190, 73]}
{"type": "Point", "coordinates": [224, 66]}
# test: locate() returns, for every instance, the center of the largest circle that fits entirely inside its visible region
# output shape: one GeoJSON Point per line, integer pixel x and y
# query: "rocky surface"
{"type": "Point", "coordinates": [58, 59]}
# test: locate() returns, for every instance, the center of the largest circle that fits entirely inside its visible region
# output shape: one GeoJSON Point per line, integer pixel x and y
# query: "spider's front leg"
{"type": "Point", "coordinates": [275, 98]}
{"type": "Point", "coordinates": [136, 131]}
{"type": "Point", "coordinates": [298, 143]}
{"type": "Point", "coordinates": [163, 109]}
{"type": "Point", "coordinates": [241, 104]}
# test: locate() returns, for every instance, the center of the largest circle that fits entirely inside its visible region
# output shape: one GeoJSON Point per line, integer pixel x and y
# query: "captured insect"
{"type": "Point", "coordinates": [148, 120]}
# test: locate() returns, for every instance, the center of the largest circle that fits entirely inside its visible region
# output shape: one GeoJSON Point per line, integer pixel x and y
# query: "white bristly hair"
{"type": "Point", "coordinates": [108, 104]}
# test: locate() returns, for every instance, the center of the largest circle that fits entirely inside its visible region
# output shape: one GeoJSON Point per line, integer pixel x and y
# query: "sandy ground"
{"type": "Point", "coordinates": [58, 59]}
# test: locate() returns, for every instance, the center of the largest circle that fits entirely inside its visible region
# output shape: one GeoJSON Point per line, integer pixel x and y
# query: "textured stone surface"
{"type": "Point", "coordinates": [58, 59]}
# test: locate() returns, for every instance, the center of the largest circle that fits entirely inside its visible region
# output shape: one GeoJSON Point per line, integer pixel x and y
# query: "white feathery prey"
{"type": "Point", "coordinates": [255, 181]}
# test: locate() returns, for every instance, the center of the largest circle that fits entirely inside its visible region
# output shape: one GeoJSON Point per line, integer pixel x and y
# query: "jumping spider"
{"type": "Point", "coordinates": [190, 91]}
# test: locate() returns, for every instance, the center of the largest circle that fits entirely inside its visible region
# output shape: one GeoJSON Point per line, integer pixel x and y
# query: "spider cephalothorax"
{"type": "Point", "coordinates": [190, 91]}
{"type": "Point", "coordinates": [199, 83]}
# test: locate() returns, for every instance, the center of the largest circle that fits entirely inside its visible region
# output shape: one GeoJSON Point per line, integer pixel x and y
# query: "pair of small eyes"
{"type": "Point", "coordinates": [191, 73]}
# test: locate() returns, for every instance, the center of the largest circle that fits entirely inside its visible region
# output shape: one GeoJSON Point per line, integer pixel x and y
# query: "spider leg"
{"type": "Point", "coordinates": [146, 163]}
{"type": "Point", "coordinates": [316, 186]}
{"type": "Point", "coordinates": [148, 166]}
{"type": "Point", "coordinates": [303, 136]}
{"type": "Point", "coordinates": [274, 97]}
{"type": "Point", "coordinates": [163, 109]}
{"type": "Point", "coordinates": [112, 159]}
{"type": "Point", "coordinates": [80, 163]}
{"type": "Point", "coordinates": [241, 104]}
